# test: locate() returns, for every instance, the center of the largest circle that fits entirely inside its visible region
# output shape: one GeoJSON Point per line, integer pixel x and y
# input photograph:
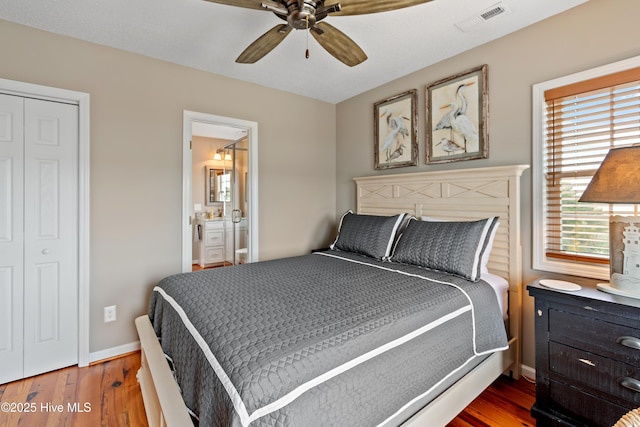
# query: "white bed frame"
{"type": "Point", "coordinates": [464, 194]}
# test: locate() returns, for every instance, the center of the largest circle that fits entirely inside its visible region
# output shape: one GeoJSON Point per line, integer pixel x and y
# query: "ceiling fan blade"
{"type": "Point", "coordinates": [338, 44]}
{"type": "Point", "coordinates": [360, 7]}
{"type": "Point", "coordinates": [264, 44]}
{"type": "Point", "coordinates": [250, 4]}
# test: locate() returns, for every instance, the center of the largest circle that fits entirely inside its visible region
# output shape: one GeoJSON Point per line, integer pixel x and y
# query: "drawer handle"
{"type": "Point", "coordinates": [631, 342]}
{"type": "Point", "coordinates": [630, 383]}
{"type": "Point", "coordinates": [587, 362]}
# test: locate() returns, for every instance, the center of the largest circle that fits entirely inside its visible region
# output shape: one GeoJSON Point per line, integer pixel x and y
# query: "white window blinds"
{"type": "Point", "coordinates": [582, 122]}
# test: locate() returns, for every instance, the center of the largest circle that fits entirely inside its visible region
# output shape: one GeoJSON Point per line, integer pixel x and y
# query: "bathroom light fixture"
{"type": "Point", "coordinates": [218, 156]}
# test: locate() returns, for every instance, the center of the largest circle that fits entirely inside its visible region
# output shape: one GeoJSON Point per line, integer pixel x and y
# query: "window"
{"type": "Point", "coordinates": [577, 119]}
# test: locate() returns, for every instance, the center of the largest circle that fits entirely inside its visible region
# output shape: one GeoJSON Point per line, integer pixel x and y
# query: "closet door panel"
{"type": "Point", "coordinates": [51, 209]}
{"type": "Point", "coordinates": [11, 237]}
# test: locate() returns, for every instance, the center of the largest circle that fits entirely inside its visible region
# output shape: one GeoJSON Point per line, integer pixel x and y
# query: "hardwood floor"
{"type": "Point", "coordinates": [506, 403]}
{"type": "Point", "coordinates": [196, 267]}
{"type": "Point", "coordinates": [107, 394]}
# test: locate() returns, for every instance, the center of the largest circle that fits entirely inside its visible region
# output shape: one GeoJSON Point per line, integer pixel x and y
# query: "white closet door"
{"type": "Point", "coordinates": [11, 241]}
{"type": "Point", "coordinates": [50, 236]}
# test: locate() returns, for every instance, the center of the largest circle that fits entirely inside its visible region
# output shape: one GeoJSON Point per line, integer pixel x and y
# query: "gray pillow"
{"type": "Point", "coordinates": [369, 235]}
{"type": "Point", "coordinates": [452, 247]}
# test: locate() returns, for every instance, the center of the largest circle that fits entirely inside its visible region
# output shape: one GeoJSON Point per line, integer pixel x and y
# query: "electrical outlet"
{"type": "Point", "coordinates": [110, 314]}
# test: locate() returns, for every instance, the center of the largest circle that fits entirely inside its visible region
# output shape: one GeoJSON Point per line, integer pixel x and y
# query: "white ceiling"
{"type": "Point", "coordinates": [209, 36]}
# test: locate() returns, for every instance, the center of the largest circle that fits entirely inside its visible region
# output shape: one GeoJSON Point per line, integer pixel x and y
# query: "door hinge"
{"type": "Point", "coordinates": [189, 220]}
{"type": "Point", "coordinates": [190, 144]}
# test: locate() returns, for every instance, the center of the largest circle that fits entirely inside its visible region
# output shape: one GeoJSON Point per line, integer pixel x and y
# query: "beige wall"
{"type": "Point", "coordinates": [137, 106]}
{"type": "Point", "coordinates": [596, 33]}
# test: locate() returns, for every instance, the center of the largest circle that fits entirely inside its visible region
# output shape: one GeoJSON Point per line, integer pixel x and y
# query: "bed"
{"type": "Point", "coordinates": [278, 364]}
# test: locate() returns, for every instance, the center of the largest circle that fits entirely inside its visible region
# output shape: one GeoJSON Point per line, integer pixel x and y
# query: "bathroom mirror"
{"type": "Point", "coordinates": [217, 185]}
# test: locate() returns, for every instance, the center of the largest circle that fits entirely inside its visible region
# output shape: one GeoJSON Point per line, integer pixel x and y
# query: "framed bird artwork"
{"type": "Point", "coordinates": [457, 117]}
{"type": "Point", "coordinates": [395, 131]}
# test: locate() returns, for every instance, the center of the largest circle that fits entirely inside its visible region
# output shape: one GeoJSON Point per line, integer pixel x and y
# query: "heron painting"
{"type": "Point", "coordinates": [395, 134]}
{"type": "Point", "coordinates": [457, 110]}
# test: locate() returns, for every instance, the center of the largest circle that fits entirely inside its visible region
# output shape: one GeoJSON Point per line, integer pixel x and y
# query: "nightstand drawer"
{"type": "Point", "coordinates": [592, 411]}
{"type": "Point", "coordinates": [600, 336]}
{"type": "Point", "coordinates": [584, 369]}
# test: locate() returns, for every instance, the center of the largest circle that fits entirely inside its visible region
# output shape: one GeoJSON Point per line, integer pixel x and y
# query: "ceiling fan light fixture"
{"type": "Point", "coordinates": [302, 17]}
{"type": "Point", "coordinates": [301, 21]}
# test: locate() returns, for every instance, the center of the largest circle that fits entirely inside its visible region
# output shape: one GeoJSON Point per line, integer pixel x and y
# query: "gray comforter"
{"type": "Point", "coordinates": [325, 339]}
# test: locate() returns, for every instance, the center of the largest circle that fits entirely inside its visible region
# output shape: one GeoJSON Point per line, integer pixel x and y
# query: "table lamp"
{"type": "Point", "coordinates": [617, 180]}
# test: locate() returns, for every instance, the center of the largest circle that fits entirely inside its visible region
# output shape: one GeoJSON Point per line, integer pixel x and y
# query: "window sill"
{"type": "Point", "coordinates": [591, 271]}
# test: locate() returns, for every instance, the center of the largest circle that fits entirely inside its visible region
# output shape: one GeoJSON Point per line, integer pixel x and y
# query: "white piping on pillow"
{"type": "Point", "coordinates": [333, 245]}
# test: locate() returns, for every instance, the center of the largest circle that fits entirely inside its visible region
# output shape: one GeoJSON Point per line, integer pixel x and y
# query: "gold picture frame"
{"type": "Point", "coordinates": [395, 131]}
{"type": "Point", "coordinates": [457, 117]}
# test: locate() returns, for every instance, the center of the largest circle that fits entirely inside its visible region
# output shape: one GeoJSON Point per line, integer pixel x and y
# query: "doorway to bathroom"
{"type": "Point", "coordinates": [220, 191]}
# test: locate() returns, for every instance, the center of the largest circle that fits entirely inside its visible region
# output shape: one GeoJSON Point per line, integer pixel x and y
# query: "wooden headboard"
{"type": "Point", "coordinates": [464, 194]}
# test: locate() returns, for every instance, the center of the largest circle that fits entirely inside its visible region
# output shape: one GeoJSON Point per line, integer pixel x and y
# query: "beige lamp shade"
{"type": "Point", "coordinates": [618, 178]}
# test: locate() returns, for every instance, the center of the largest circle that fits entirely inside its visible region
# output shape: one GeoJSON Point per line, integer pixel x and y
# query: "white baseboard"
{"type": "Point", "coordinates": [528, 371]}
{"type": "Point", "coordinates": [114, 351]}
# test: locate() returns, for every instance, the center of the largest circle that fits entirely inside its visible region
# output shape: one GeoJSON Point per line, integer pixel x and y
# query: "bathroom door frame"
{"type": "Point", "coordinates": [190, 117]}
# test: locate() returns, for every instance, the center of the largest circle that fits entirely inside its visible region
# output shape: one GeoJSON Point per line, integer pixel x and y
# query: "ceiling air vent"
{"type": "Point", "coordinates": [482, 17]}
{"type": "Point", "coordinates": [493, 12]}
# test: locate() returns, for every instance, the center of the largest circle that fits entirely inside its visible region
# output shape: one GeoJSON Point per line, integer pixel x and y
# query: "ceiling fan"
{"type": "Point", "coordinates": [306, 15]}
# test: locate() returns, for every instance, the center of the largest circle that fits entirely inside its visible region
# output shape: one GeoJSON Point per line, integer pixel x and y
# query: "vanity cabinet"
{"type": "Point", "coordinates": [212, 242]}
{"type": "Point", "coordinates": [587, 357]}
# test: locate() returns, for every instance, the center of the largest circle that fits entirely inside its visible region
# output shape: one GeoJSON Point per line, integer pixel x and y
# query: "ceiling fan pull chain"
{"type": "Point", "coordinates": [306, 54]}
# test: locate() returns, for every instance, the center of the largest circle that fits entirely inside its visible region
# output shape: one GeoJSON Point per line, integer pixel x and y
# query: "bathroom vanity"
{"type": "Point", "coordinates": [216, 241]}
{"type": "Point", "coordinates": [212, 242]}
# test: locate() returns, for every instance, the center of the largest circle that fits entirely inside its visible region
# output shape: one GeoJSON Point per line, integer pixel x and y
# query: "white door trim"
{"type": "Point", "coordinates": [82, 100]}
{"type": "Point", "coordinates": [252, 134]}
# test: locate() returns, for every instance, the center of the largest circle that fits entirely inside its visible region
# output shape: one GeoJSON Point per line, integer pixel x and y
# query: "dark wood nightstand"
{"type": "Point", "coordinates": [587, 356]}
